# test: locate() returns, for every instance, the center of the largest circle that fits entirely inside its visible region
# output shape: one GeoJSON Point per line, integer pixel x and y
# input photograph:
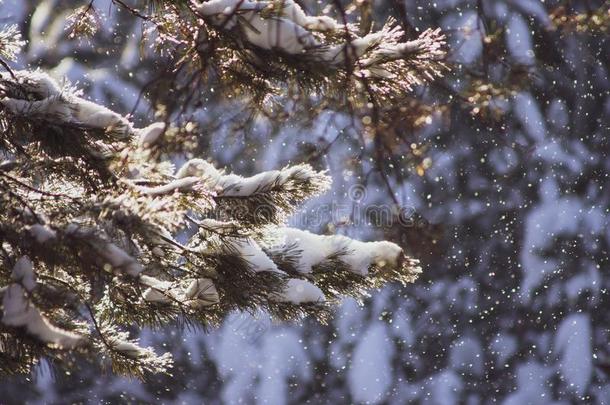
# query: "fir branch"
{"type": "Point", "coordinates": [97, 209]}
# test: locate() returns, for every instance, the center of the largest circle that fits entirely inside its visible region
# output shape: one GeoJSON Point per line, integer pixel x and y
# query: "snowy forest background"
{"type": "Point", "coordinates": [500, 171]}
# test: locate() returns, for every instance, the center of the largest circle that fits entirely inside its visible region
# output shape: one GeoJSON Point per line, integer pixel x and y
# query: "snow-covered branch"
{"type": "Point", "coordinates": [263, 198]}
{"type": "Point", "coordinates": [360, 257]}
{"type": "Point", "coordinates": [20, 312]}
{"type": "Point", "coordinates": [283, 26]}
{"type": "Point", "coordinates": [233, 185]}
{"type": "Point", "coordinates": [104, 227]}
{"type": "Point", "coordinates": [36, 94]}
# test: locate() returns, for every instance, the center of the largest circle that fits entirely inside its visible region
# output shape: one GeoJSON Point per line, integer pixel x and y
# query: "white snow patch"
{"type": "Point", "coordinates": [42, 233]}
{"type": "Point", "coordinates": [467, 356]}
{"type": "Point", "coordinates": [237, 186]}
{"type": "Point", "coordinates": [120, 259]}
{"type": "Point", "coordinates": [504, 346]}
{"type": "Point", "coordinates": [151, 134]}
{"type": "Point", "coordinates": [532, 385]}
{"type": "Point", "coordinates": [359, 255]}
{"type": "Point", "coordinates": [370, 374]}
{"type": "Point", "coordinates": [178, 185]}
{"type": "Point", "coordinates": [519, 40]}
{"type": "Point", "coordinates": [528, 113]}
{"type": "Point", "coordinates": [468, 38]}
{"type": "Point", "coordinates": [444, 388]}
{"type": "Point", "coordinates": [299, 292]}
{"type": "Point", "coordinates": [19, 311]}
{"type": "Point", "coordinates": [252, 252]}
{"type": "Point", "coordinates": [23, 273]}
{"type": "Point", "coordinates": [203, 291]}
{"type": "Point", "coordinates": [573, 344]}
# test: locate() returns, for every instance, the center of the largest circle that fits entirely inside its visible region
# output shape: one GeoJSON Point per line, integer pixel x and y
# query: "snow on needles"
{"type": "Point", "coordinates": [198, 293]}
{"type": "Point", "coordinates": [296, 291]}
{"type": "Point", "coordinates": [129, 230]}
{"type": "Point", "coordinates": [233, 185]}
{"type": "Point", "coordinates": [151, 134]}
{"type": "Point", "coordinates": [19, 311]}
{"type": "Point", "coordinates": [359, 256]}
{"type": "Point", "coordinates": [299, 291]}
{"type": "Point", "coordinates": [51, 100]}
{"type": "Point", "coordinates": [118, 258]}
{"type": "Point", "coordinates": [284, 26]}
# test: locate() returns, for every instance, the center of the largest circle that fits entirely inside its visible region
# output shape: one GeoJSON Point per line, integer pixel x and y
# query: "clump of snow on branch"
{"type": "Point", "coordinates": [202, 292]}
{"type": "Point", "coordinates": [51, 100]}
{"type": "Point", "coordinates": [182, 184]}
{"type": "Point", "coordinates": [42, 233]}
{"type": "Point", "coordinates": [295, 291]}
{"type": "Point", "coordinates": [123, 349]}
{"type": "Point", "coordinates": [120, 259]}
{"type": "Point", "coordinates": [251, 251]}
{"type": "Point", "coordinates": [20, 312]}
{"type": "Point", "coordinates": [283, 26]}
{"type": "Point", "coordinates": [299, 291]}
{"type": "Point", "coordinates": [233, 185]}
{"type": "Point", "coordinates": [359, 256]}
{"type": "Point", "coordinates": [151, 134]}
{"type": "Point", "coordinates": [198, 293]}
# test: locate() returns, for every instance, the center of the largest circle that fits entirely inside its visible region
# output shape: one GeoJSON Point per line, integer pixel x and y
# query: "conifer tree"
{"type": "Point", "coordinates": [101, 232]}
